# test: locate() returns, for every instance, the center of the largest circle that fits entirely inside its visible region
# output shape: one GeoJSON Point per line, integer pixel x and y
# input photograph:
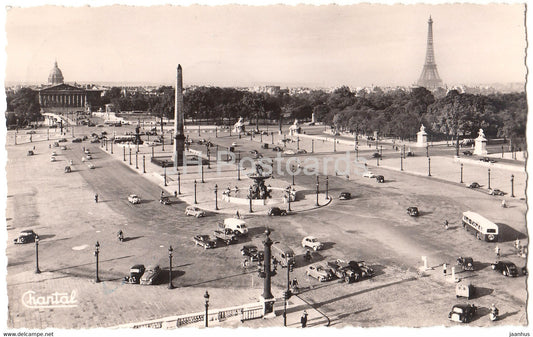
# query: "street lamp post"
{"type": "Point", "coordinates": [512, 185]}
{"type": "Point", "coordinates": [112, 147]}
{"type": "Point", "coordinates": [427, 150]}
{"type": "Point", "coordinates": [152, 151]}
{"type": "Point", "coordinates": [202, 173]}
{"type": "Point", "coordinates": [37, 270]}
{"type": "Point", "coordinates": [165, 173]}
{"type": "Point", "coordinates": [206, 298]}
{"type": "Point", "coordinates": [327, 187]}
{"type": "Point", "coordinates": [124, 153]}
{"type": "Point", "coordinates": [272, 138]}
{"type": "Point", "coordinates": [144, 164]}
{"type": "Point", "coordinates": [293, 171]}
{"type": "Point", "coordinates": [488, 172]}
{"type": "Point", "coordinates": [96, 253]}
{"type": "Point", "coordinates": [401, 161]}
{"type": "Point", "coordinates": [289, 196]}
{"type": "Point", "coordinates": [179, 183]}
{"type": "Point", "coordinates": [216, 197]}
{"type": "Point", "coordinates": [335, 144]}
{"type": "Point", "coordinates": [429, 167]}
{"type": "Point", "coordinates": [312, 146]}
{"type": "Point", "coordinates": [136, 161]}
{"type": "Point", "coordinates": [461, 173]}
{"type": "Point", "coordinates": [208, 158]}
{"type": "Point", "coordinates": [170, 285]}
{"type": "Point", "coordinates": [317, 189]}
{"type": "Point", "coordinates": [195, 201]}
{"type": "Point", "coordinates": [239, 170]}
{"type": "Point", "coordinates": [250, 197]}
{"type": "Point", "coordinates": [163, 143]}
{"type": "Point", "coordinates": [297, 143]}
{"type": "Point", "coordinates": [130, 155]}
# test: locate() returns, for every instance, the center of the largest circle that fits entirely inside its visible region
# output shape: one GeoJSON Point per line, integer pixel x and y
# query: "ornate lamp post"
{"type": "Point", "coordinates": [208, 158]}
{"type": "Point", "coordinates": [96, 253]}
{"type": "Point", "coordinates": [130, 155]}
{"type": "Point", "coordinates": [250, 197]}
{"type": "Point", "coordinates": [165, 173]}
{"type": "Point", "coordinates": [289, 196]}
{"type": "Point", "coordinates": [512, 185]}
{"type": "Point", "coordinates": [124, 153]}
{"type": "Point", "coordinates": [317, 189]}
{"type": "Point", "coordinates": [489, 176]}
{"type": "Point", "coordinates": [136, 161]}
{"type": "Point", "coordinates": [206, 298]}
{"type": "Point", "coordinates": [429, 167]}
{"type": "Point", "coordinates": [170, 285]}
{"type": "Point", "coordinates": [335, 144]}
{"type": "Point", "coordinates": [37, 270]}
{"type": "Point", "coordinates": [293, 171]}
{"type": "Point", "coordinates": [461, 173]}
{"type": "Point", "coordinates": [239, 170]}
{"type": "Point", "coordinates": [327, 187]}
{"type": "Point", "coordinates": [179, 183]}
{"type": "Point", "coordinates": [144, 164]}
{"type": "Point", "coordinates": [297, 143]}
{"type": "Point", "coordinates": [266, 273]}
{"type": "Point", "coordinates": [203, 173]}
{"type": "Point", "coordinates": [216, 197]}
{"type": "Point", "coordinates": [195, 201]}
{"type": "Point", "coordinates": [401, 161]}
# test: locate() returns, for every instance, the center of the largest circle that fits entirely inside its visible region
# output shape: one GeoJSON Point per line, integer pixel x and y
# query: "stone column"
{"type": "Point", "coordinates": [179, 137]}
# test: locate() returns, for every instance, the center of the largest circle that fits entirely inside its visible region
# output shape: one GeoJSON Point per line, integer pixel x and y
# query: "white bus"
{"type": "Point", "coordinates": [483, 229]}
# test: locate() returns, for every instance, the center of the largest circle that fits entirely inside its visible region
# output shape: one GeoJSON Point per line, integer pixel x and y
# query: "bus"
{"type": "Point", "coordinates": [482, 228]}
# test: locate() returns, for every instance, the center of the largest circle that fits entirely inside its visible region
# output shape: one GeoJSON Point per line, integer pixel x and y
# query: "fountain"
{"type": "Point", "coordinates": [258, 189]}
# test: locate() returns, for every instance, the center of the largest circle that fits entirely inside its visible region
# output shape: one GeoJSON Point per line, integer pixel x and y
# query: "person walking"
{"type": "Point", "coordinates": [444, 269]}
{"type": "Point", "coordinates": [303, 319]}
{"type": "Point", "coordinates": [497, 251]}
{"type": "Point", "coordinates": [446, 224]}
{"type": "Point", "coordinates": [96, 198]}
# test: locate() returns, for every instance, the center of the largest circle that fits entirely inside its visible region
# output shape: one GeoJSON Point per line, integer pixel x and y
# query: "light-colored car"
{"type": "Point", "coordinates": [319, 272]}
{"type": "Point", "coordinates": [134, 199]}
{"type": "Point", "coordinates": [54, 154]}
{"type": "Point", "coordinates": [238, 226]}
{"type": "Point", "coordinates": [63, 147]}
{"type": "Point", "coordinates": [368, 174]}
{"type": "Point", "coordinates": [194, 211]}
{"type": "Point", "coordinates": [89, 156]}
{"type": "Point", "coordinates": [289, 152]}
{"type": "Point", "coordinates": [87, 151]}
{"type": "Point", "coordinates": [234, 144]}
{"type": "Point", "coordinates": [312, 242]}
{"type": "Point", "coordinates": [91, 166]}
{"type": "Point", "coordinates": [52, 158]}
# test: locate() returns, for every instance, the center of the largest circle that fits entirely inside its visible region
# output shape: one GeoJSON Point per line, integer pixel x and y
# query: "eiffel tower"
{"type": "Point", "coordinates": [430, 76]}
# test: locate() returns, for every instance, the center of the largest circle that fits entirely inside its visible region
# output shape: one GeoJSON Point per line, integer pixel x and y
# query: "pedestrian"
{"type": "Point", "coordinates": [303, 319]}
{"type": "Point", "coordinates": [96, 198]}
{"type": "Point", "coordinates": [517, 244]}
{"type": "Point", "coordinates": [446, 224]}
{"type": "Point", "coordinates": [175, 194]}
{"type": "Point", "coordinates": [497, 251]}
{"type": "Point", "coordinates": [237, 215]}
{"type": "Point", "coordinates": [162, 194]}
{"type": "Point", "coordinates": [444, 269]}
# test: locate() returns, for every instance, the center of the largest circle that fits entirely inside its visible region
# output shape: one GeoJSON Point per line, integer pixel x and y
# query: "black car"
{"type": "Point", "coordinates": [507, 268]}
{"type": "Point", "coordinates": [76, 140]}
{"type": "Point", "coordinates": [474, 185]}
{"type": "Point", "coordinates": [413, 211]}
{"type": "Point", "coordinates": [466, 263]}
{"type": "Point", "coordinates": [136, 272]}
{"type": "Point", "coordinates": [376, 155]}
{"type": "Point", "coordinates": [410, 154]}
{"type": "Point", "coordinates": [252, 253]}
{"type": "Point", "coordinates": [345, 196]}
{"type": "Point", "coordinates": [380, 179]}
{"type": "Point", "coordinates": [277, 211]}
{"type": "Point", "coordinates": [487, 160]}
{"type": "Point", "coordinates": [462, 313]}
{"type": "Point", "coordinates": [467, 153]}
{"type": "Point", "coordinates": [277, 149]}
{"type": "Point", "coordinates": [165, 200]}
{"type": "Point", "coordinates": [26, 236]}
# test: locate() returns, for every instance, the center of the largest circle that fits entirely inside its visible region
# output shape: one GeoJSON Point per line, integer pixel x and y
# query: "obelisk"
{"type": "Point", "coordinates": [179, 137]}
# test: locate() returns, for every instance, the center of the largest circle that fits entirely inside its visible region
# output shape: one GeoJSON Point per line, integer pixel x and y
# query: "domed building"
{"type": "Point", "coordinates": [56, 76]}
{"type": "Point", "coordinates": [59, 97]}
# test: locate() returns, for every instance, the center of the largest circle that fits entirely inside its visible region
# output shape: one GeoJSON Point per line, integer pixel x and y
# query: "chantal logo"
{"type": "Point", "coordinates": [55, 300]}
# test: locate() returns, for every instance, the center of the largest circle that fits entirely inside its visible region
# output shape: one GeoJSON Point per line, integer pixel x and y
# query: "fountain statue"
{"type": "Point", "coordinates": [259, 190]}
{"type": "Point", "coordinates": [295, 128]}
{"type": "Point", "coordinates": [239, 126]}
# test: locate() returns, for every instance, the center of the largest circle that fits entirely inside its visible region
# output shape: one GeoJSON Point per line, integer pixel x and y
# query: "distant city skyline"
{"type": "Point", "coordinates": [308, 46]}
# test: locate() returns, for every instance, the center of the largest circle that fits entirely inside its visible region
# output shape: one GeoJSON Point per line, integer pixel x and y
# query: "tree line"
{"type": "Point", "coordinates": [395, 113]}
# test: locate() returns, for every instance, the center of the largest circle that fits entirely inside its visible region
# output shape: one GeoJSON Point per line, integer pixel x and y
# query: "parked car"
{"type": "Point", "coordinates": [134, 199]}
{"type": "Point", "coordinates": [165, 200]}
{"type": "Point", "coordinates": [204, 241]}
{"type": "Point", "coordinates": [62, 140]}
{"type": "Point", "coordinates": [30, 153]}
{"type": "Point", "coordinates": [252, 253]}
{"type": "Point", "coordinates": [413, 211]}
{"type": "Point", "coordinates": [343, 270]}
{"type": "Point", "coordinates": [487, 160]}
{"type": "Point", "coordinates": [277, 149]}
{"type": "Point", "coordinates": [289, 152]}
{"type": "Point", "coordinates": [53, 154]}
{"type": "Point", "coordinates": [462, 313]}
{"type": "Point", "coordinates": [55, 144]}
{"type": "Point", "coordinates": [507, 268]}
{"type": "Point", "coordinates": [380, 179]}
{"type": "Point", "coordinates": [225, 235]}
{"type": "Point", "coordinates": [496, 191]}
{"type": "Point", "coordinates": [312, 242]}
{"type": "Point", "coordinates": [89, 157]}
{"type": "Point", "coordinates": [91, 166]}
{"type": "Point", "coordinates": [63, 147]}
{"type": "Point", "coordinates": [68, 169]}
{"type": "Point", "coordinates": [410, 154]}
{"type": "Point", "coordinates": [52, 158]}
{"type": "Point", "coordinates": [474, 185]}
{"type": "Point", "coordinates": [277, 211]}
{"type": "Point", "coordinates": [26, 236]}
{"type": "Point", "coordinates": [366, 271]}
{"type": "Point", "coordinates": [301, 151]}
{"type": "Point", "coordinates": [87, 151]}
{"type": "Point", "coordinates": [151, 275]}
{"type": "Point", "coordinates": [345, 196]}
{"type": "Point", "coordinates": [467, 153]}
{"type": "Point", "coordinates": [136, 272]}
{"type": "Point", "coordinates": [76, 140]}
{"type": "Point", "coordinates": [194, 211]}
{"type": "Point", "coordinates": [376, 155]}
{"type": "Point", "coordinates": [465, 263]}
{"type": "Point", "coordinates": [368, 174]}
{"type": "Point", "coordinates": [320, 272]}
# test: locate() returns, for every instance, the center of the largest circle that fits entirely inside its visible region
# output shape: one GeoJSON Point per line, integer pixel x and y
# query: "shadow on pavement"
{"type": "Point", "coordinates": [46, 236]}
{"type": "Point", "coordinates": [508, 233]}
{"type": "Point", "coordinates": [339, 318]}
{"type": "Point", "coordinates": [90, 263]}
{"type": "Point", "coordinates": [481, 291]}
{"type": "Point", "coordinates": [220, 278]}
{"type": "Point", "coordinates": [507, 314]}
{"type": "Point", "coordinates": [126, 239]}
{"type": "Point", "coordinates": [327, 245]}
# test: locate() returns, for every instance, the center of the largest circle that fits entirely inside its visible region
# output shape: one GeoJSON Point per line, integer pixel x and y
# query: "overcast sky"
{"type": "Point", "coordinates": [323, 46]}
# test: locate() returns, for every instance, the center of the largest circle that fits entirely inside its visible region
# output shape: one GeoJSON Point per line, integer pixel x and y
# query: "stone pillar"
{"type": "Point", "coordinates": [179, 137]}
{"type": "Point", "coordinates": [267, 298]}
{"type": "Point", "coordinates": [481, 144]}
{"type": "Point", "coordinates": [421, 137]}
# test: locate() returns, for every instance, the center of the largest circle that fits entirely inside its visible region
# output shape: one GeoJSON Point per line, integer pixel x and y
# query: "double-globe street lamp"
{"type": "Point", "coordinates": [96, 253]}
{"type": "Point", "coordinates": [37, 270]}
{"type": "Point", "coordinates": [170, 285]}
{"type": "Point", "coordinates": [206, 299]}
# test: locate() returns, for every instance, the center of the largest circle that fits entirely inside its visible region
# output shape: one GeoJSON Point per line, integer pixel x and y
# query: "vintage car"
{"type": "Point", "coordinates": [30, 153]}
{"type": "Point", "coordinates": [301, 151]}
{"type": "Point", "coordinates": [410, 154]}
{"type": "Point", "coordinates": [277, 149]}
{"type": "Point", "coordinates": [135, 275]}
{"type": "Point", "coordinates": [62, 140]}
{"type": "Point", "coordinates": [487, 160]}
{"type": "Point", "coordinates": [345, 196]}
{"type": "Point", "coordinates": [194, 211]}
{"type": "Point", "coordinates": [462, 313]}
{"type": "Point", "coordinates": [91, 166]}
{"type": "Point", "coordinates": [95, 140]}
{"type": "Point", "coordinates": [344, 270]}
{"type": "Point", "coordinates": [53, 154]}
{"type": "Point", "coordinates": [52, 158]}
{"type": "Point", "coordinates": [474, 185]}
{"type": "Point", "coordinates": [63, 147]}
{"type": "Point", "coordinates": [466, 263]}
{"type": "Point", "coordinates": [26, 236]}
{"type": "Point", "coordinates": [380, 179]}
{"type": "Point", "coordinates": [365, 270]}
{"type": "Point", "coordinates": [507, 268]}
{"type": "Point", "coordinates": [134, 199]}
{"type": "Point", "coordinates": [312, 242]}
{"type": "Point", "coordinates": [234, 144]}
{"type": "Point", "coordinates": [368, 174]}
{"type": "Point", "coordinates": [89, 157]}
{"type": "Point", "coordinates": [289, 152]}
{"type": "Point", "coordinates": [68, 169]}
{"type": "Point", "coordinates": [277, 211]}
{"type": "Point", "coordinates": [467, 153]}
{"type": "Point", "coordinates": [55, 144]}
{"type": "Point", "coordinates": [151, 275]}
{"type": "Point", "coordinates": [87, 151]}
{"type": "Point", "coordinates": [76, 140]}
{"type": "Point", "coordinates": [225, 235]}
{"type": "Point", "coordinates": [496, 191]}
{"type": "Point", "coordinates": [204, 241]}
{"type": "Point", "coordinates": [85, 138]}
{"type": "Point", "coordinates": [320, 272]}
{"type": "Point", "coordinates": [464, 290]}
{"type": "Point", "coordinates": [413, 211]}
{"type": "Point", "coordinates": [376, 155]}
{"type": "Point", "coordinates": [252, 253]}
{"type": "Point", "coordinates": [165, 200]}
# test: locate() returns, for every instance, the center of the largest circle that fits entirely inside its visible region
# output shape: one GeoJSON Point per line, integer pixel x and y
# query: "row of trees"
{"type": "Point", "coordinates": [397, 113]}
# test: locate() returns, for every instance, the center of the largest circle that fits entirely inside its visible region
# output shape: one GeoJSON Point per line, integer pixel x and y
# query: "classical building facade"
{"type": "Point", "coordinates": [59, 97]}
